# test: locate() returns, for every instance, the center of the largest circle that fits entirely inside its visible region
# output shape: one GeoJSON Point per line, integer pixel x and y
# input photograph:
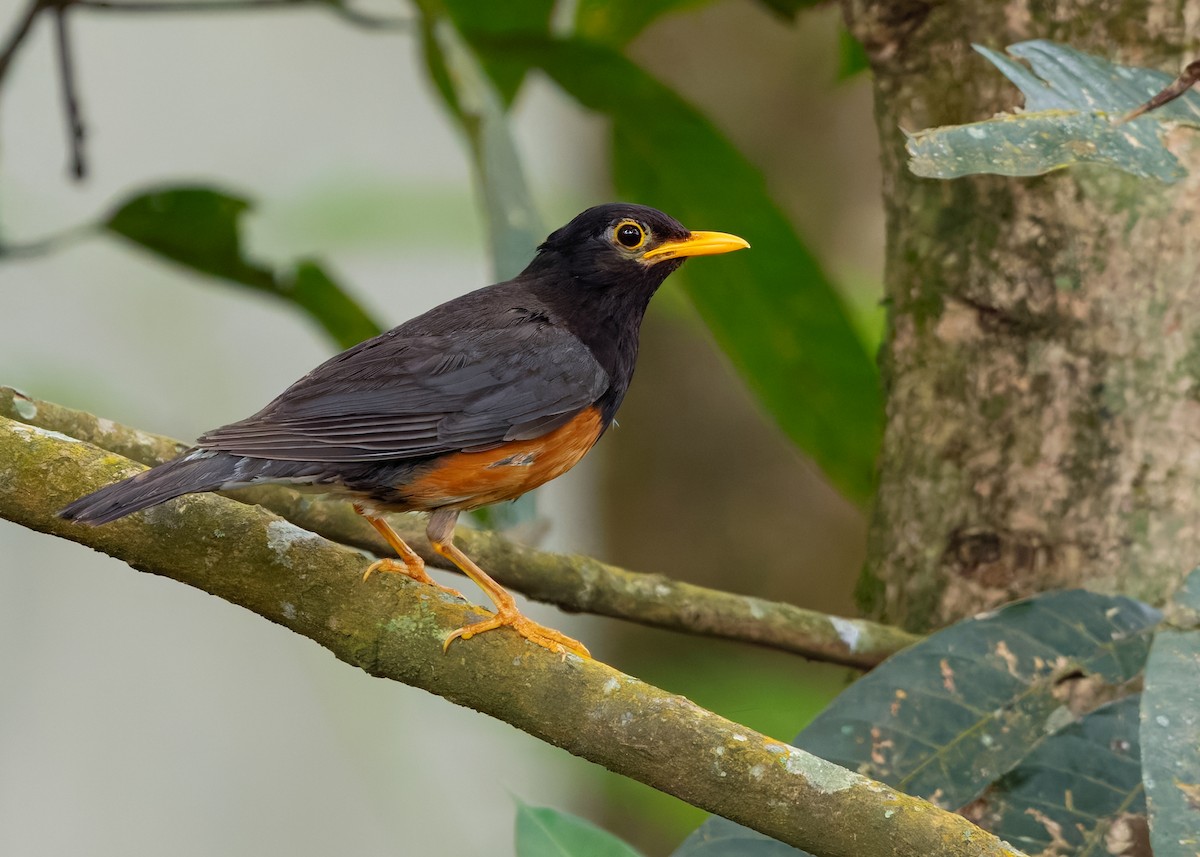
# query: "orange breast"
{"type": "Point", "coordinates": [468, 480]}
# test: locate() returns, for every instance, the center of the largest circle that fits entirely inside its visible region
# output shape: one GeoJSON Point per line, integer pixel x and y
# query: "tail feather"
{"type": "Point", "coordinates": [191, 473]}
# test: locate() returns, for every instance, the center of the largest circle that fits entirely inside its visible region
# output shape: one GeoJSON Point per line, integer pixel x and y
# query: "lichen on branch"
{"type": "Point", "coordinates": [579, 584]}
{"type": "Point", "coordinates": [394, 628]}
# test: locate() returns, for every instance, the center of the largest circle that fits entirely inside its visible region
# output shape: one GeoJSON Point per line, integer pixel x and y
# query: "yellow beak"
{"type": "Point", "coordinates": [696, 244]}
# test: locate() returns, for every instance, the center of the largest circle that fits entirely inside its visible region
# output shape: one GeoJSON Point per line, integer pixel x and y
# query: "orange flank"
{"type": "Point", "coordinates": [468, 480]}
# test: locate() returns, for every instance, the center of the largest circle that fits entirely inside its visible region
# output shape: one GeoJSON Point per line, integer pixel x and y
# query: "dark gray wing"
{"type": "Point", "coordinates": [412, 395]}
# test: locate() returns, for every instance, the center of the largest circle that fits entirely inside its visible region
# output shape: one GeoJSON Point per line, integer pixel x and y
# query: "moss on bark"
{"type": "Point", "coordinates": [393, 627]}
{"type": "Point", "coordinates": [1043, 429]}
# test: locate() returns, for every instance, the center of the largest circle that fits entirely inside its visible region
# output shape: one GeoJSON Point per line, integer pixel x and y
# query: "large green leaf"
{"type": "Point", "coordinates": [545, 832]}
{"type": "Point", "coordinates": [200, 229]}
{"type": "Point", "coordinates": [513, 224]}
{"type": "Point", "coordinates": [1063, 799]}
{"type": "Point", "coordinates": [1171, 728]}
{"type": "Point", "coordinates": [1073, 102]}
{"type": "Point", "coordinates": [772, 309]}
{"type": "Point", "coordinates": [488, 19]}
{"type": "Point", "coordinates": [950, 715]}
{"type": "Point", "coordinates": [947, 716]}
{"type": "Point", "coordinates": [1080, 786]}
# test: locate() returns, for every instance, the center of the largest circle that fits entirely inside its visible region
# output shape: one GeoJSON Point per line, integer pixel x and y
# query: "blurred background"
{"type": "Point", "coordinates": [139, 716]}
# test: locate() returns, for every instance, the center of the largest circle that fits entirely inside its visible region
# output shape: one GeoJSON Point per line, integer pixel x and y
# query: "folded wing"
{"type": "Point", "coordinates": [413, 395]}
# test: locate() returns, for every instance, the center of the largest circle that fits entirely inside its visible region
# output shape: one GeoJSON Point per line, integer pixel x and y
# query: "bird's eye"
{"type": "Point", "coordinates": [630, 235]}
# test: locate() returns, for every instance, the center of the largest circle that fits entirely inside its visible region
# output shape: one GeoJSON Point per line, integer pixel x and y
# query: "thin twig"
{"type": "Point", "coordinates": [46, 244]}
{"type": "Point", "coordinates": [579, 584]}
{"type": "Point", "coordinates": [18, 35]}
{"type": "Point", "coordinates": [66, 68]}
{"type": "Point", "coordinates": [395, 629]}
{"type": "Point", "coordinates": [1186, 80]}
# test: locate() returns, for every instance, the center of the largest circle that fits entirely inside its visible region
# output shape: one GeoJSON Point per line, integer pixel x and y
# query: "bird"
{"type": "Point", "coordinates": [474, 402]}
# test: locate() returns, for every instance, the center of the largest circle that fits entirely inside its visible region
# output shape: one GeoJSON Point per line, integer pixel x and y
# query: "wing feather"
{"type": "Point", "coordinates": [413, 394]}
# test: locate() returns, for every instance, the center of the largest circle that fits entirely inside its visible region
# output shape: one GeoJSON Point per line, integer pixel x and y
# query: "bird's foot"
{"type": "Point", "coordinates": [547, 638]}
{"type": "Point", "coordinates": [416, 572]}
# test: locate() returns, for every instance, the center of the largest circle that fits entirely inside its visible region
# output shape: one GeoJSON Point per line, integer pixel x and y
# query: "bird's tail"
{"type": "Point", "coordinates": [194, 471]}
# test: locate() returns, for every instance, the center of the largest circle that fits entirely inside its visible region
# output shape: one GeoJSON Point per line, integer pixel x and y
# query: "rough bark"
{"type": "Point", "coordinates": [1043, 358]}
{"type": "Point", "coordinates": [394, 628]}
{"type": "Point", "coordinates": [574, 582]}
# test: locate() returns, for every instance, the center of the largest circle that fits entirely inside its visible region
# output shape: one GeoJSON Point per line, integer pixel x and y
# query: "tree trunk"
{"type": "Point", "coordinates": [1043, 357]}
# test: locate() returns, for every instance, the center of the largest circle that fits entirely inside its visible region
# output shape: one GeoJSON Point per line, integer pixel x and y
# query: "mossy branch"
{"type": "Point", "coordinates": [575, 583]}
{"type": "Point", "coordinates": [394, 627]}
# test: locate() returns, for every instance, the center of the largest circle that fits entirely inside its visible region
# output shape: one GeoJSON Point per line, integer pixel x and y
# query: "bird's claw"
{"type": "Point", "coordinates": [417, 573]}
{"type": "Point", "coordinates": [532, 631]}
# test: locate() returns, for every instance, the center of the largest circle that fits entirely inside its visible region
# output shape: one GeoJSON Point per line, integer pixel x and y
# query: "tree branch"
{"type": "Point", "coordinates": [20, 31]}
{"type": "Point", "coordinates": [70, 93]}
{"type": "Point", "coordinates": [394, 628]}
{"type": "Point", "coordinates": [576, 583]}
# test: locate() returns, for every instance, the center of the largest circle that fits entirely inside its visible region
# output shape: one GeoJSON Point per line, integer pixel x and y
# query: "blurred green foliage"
{"type": "Point", "coordinates": [199, 228]}
{"type": "Point", "coordinates": [780, 318]}
{"type": "Point", "coordinates": [974, 710]}
{"type": "Point", "coordinates": [774, 311]}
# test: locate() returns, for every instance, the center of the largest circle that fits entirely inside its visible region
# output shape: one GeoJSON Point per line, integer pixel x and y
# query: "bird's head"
{"type": "Point", "coordinates": [620, 244]}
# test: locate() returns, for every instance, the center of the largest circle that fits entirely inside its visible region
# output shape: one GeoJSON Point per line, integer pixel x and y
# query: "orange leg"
{"type": "Point", "coordinates": [441, 537]}
{"type": "Point", "coordinates": [409, 565]}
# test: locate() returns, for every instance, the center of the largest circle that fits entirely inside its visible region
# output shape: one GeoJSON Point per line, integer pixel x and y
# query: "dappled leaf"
{"type": "Point", "coordinates": [953, 713]}
{"type": "Point", "coordinates": [1073, 103]}
{"type": "Point", "coordinates": [772, 308]}
{"type": "Point", "coordinates": [1079, 788]}
{"type": "Point", "coordinates": [949, 715]}
{"type": "Point", "coordinates": [1187, 79]}
{"type": "Point", "coordinates": [200, 229]}
{"type": "Point", "coordinates": [1171, 728]}
{"type": "Point", "coordinates": [545, 832]}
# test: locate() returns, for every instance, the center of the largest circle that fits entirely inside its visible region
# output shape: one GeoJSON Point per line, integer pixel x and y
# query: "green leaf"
{"type": "Point", "coordinates": [310, 287]}
{"type": "Point", "coordinates": [488, 20]}
{"type": "Point", "coordinates": [617, 24]}
{"type": "Point", "coordinates": [1171, 728]}
{"type": "Point", "coordinates": [514, 228]}
{"type": "Point", "coordinates": [852, 56]}
{"type": "Point", "coordinates": [953, 713]}
{"type": "Point", "coordinates": [1068, 794]}
{"type": "Point", "coordinates": [1072, 104]}
{"type": "Point", "coordinates": [950, 714]}
{"type": "Point", "coordinates": [545, 832]}
{"type": "Point", "coordinates": [772, 309]}
{"type": "Point", "coordinates": [200, 229]}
